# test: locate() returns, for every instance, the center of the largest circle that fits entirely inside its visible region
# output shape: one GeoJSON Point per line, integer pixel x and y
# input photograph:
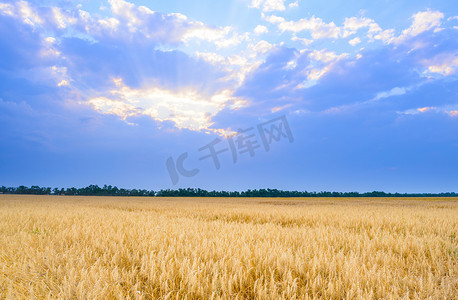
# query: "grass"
{"type": "Point", "coordinates": [207, 248]}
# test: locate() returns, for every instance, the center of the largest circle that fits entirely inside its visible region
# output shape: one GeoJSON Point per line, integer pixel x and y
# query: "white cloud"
{"type": "Point", "coordinates": [63, 82]}
{"type": "Point", "coordinates": [316, 26]}
{"type": "Point", "coordinates": [59, 18]}
{"type": "Point", "coordinates": [260, 29]}
{"type": "Point", "coordinates": [7, 9]}
{"type": "Point", "coordinates": [396, 91]}
{"type": "Point", "coordinates": [354, 41]}
{"type": "Point", "coordinates": [260, 47]}
{"type": "Point", "coordinates": [250, 59]}
{"type": "Point", "coordinates": [445, 64]}
{"type": "Point", "coordinates": [211, 57]}
{"type": "Point", "coordinates": [129, 24]}
{"type": "Point", "coordinates": [314, 74]}
{"type": "Point", "coordinates": [123, 8]}
{"type": "Point", "coordinates": [304, 41]}
{"type": "Point", "coordinates": [353, 24]}
{"type": "Point", "coordinates": [113, 107]}
{"type": "Point", "coordinates": [292, 64]}
{"type": "Point", "coordinates": [279, 108]}
{"type": "Point", "coordinates": [443, 69]}
{"type": "Point", "coordinates": [170, 28]}
{"type": "Point", "coordinates": [109, 24]}
{"type": "Point", "coordinates": [187, 109]}
{"type": "Point", "coordinates": [234, 40]}
{"type": "Point", "coordinates": [30, 16]}
{"type": "Point", "coordinates": [320, 29]}
{"type": "Point", "coordinates": [294, 4]}
{"type": "Point", "coordinates": [450, 110]}
{"type": "Point", "coordinates": [49, 48]}
{"type": "Point", "coordinates": [273, 19]}
{"type": "Point", "coordinates": [326, 56]}
{"type": "Point", "coordinates": [425, 109]}
{"type": "Point", "coordinates": [374, 32]}
{"type": "Point", "coordinates": [422, 21]}
{"type": "Point", "coordinates": [142, 23]}
{"type": "Point", "coordinates": [256, 3]}
{"type": "Point", "coordinates": [322, 63]}
{"type": "Point", "coordinates": [386, 36]}
{"type": "Point", "coordinates": [202, 32]}
{"type": "Point", "coordinates": [272, 5]}
{"type": "Point", "coordinates": [237, 66]}
{"type": "Point", "coordinates": [269, 5]}
{"type": "Point", "coordinates": [22, 10]}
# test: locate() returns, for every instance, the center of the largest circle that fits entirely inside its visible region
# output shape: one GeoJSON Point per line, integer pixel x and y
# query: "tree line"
{"type": "Point", "coordinates": [108, 190]}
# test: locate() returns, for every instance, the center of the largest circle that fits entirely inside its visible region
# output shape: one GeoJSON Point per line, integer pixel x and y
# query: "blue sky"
{"type": "Point", "coordinates": [108, 92]}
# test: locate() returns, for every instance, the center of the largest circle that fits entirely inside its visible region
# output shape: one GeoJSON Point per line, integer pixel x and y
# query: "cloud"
{"type": "Point", "coordinates": [425, 109]}
{"type": "Point", "coordinates": [386, 36]}
{"type": "Point", "coordinates": [63, 82]}
{"type": "Point", "coordinates": [260, 29]}
{"type": "Point", "coordinates": [269, 5]}
{"type": "Point", "coordinates": [422, 21]}
{"type": "Point", "coordinates": [81, 54]}
{"type": "Point", "coordinates": [326, 56]}
{"type": "Point", "coordinates": [115, 107]}
{"type": "Point", "coordinates": [20, 45]}
{"type": "Point", "coordinates": [169, 86]}
{"type": "Point", "coordinates": [237, 66]}
{"type": "Point", "coordinates": [294, 4]}
{"type": "Point", "coordinates": [128, 24]}
{"type": "Point", "coordinates": [187, 109]}
{"type": "Point", "coordinates": [323, 80]}
{"type": "Point", "coordinates": [320, 29]}
{"type": "Point", "coordinates": [280, 108]}
{"type": "Point", "coordinates": [108, 44]}
{"type": "Point", "coordinates": [260, 47]}
{"type": "Point", "coordinates": [318, 81]}
{"type": "Point", "coordinates": [353, 24]}
{"type": "Point", "coordinates": [171, 28]}
{"type": "Point", "coordinates": [354, 41]}
{"type": "Point", "coordinates": [24, 11]}
{"type": "Point", "coordinates": [269, 85]}
{"type": "Point", "coordinates": [444, 64]}
{"type": "Point", "coordinates": [321, 62]}
{"type": "Point", "coordinates": [74, 83]}
{"type": "Point", "coordinates": [449, 110]}
{"type": "Point", "coordinates": [396, 91]}
{"type": "Point", "coordinates": [303, 41]}
{"type": "Point", "coordinates": [317, 27]}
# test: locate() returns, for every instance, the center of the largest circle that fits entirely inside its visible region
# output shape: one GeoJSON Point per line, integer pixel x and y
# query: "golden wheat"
{"type": "Point", "coordinates": [207, 248]}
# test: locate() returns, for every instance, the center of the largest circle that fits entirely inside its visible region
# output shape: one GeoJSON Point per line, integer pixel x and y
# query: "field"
{"type": "Point", "coordinates": [197, 248]}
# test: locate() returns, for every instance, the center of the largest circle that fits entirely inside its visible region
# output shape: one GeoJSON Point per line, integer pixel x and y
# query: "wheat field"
{"type": "Point", "coordinates": [211, 248]}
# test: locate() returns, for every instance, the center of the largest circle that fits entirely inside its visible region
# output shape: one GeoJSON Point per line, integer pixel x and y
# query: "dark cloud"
{"type": "Point", "coordinates": [355, 81]}
{"type": "Point", "coordinates": [273, 83]}
{"type": "Point", "coordinates": [19, 45]}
